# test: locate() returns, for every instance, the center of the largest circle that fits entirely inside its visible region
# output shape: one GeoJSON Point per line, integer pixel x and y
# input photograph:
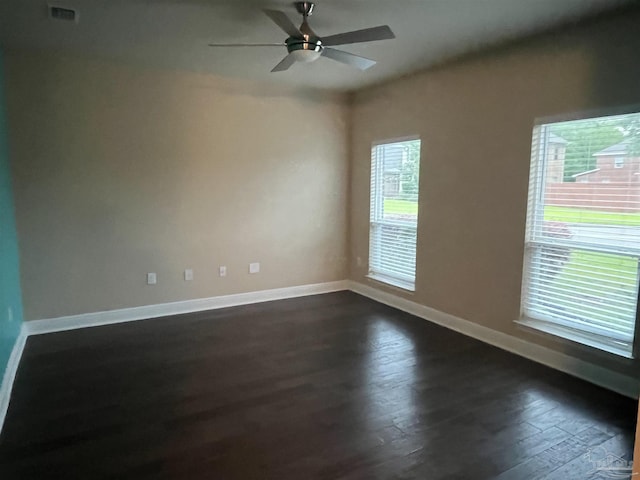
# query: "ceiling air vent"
{"type": "Point", "coordinates": [61, 13]}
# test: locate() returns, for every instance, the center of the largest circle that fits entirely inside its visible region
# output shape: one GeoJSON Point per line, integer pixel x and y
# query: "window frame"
{"type": "Point", "coordinates": [375, 224]}
{"type": "Point", "coordinates": [536, 189]}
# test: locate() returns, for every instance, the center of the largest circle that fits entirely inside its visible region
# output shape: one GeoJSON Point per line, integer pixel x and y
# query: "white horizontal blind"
{"type": "Point", "coordinates": [394, 212]}
{"type": "Point", "coordinates": [583, 229]}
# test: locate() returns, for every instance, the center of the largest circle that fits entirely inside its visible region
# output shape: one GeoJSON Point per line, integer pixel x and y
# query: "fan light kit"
{"type": "Point", "coordinates": [304, 46]}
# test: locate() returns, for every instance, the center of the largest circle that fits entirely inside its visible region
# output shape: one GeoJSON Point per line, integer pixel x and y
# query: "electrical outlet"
{"type": "Point", "coordinates": [222, 271]}
{"type": "Point", "coordinates": [359, 261]}
{"type": "Point", "coordinates": [152, 279]}
{"type": "Point", "coordinates": [188, 275]}
{"type": "Point", "coordinates": [9, 314]}
{"type": "Point", "coordinates": [254, 267]}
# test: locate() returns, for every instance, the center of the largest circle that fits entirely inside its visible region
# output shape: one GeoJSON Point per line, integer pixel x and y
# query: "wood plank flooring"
{"type": "Point", "coordinates": [332, 386]}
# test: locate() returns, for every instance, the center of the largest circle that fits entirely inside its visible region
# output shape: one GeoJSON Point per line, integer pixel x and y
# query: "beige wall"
{"type": "Point", "coordinates": [475, 119]}
{"type": "Point", "coordinates": [122, 171]}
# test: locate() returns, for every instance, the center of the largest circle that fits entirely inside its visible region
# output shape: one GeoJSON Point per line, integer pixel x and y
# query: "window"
{"type": "Point", "coordinates": [583, 236]}
{"type": "Point", "coordinates": [394, 212]}
{"type": "Point", "coordinates": [618, 162]}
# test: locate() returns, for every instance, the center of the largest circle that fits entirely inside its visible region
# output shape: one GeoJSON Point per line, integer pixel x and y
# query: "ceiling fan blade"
{"type": "Point", "coordinates": [284, 22]}
{"type": "Point", "coordinates": [247, 44]}
{"type": "Point", "coordinates": [284, 64]}
{"type": "Point", "coordinates": [348, 58]}
{"type": "Point", "coordinates": [358, 36]}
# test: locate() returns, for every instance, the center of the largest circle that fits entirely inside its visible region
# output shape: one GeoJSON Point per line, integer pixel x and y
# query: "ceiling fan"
{"type": "Point", "coordinates": [305, 46]}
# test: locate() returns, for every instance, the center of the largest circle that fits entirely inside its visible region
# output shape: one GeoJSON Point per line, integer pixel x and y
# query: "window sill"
{"type": "Point", "coordinates": [409, 287]}
{"type": "Point", "coordinates": [583, 338]}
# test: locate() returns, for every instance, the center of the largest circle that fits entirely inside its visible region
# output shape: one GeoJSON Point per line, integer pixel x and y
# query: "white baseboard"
{"type": "Point", "coordinates": [587, 371]}
{"type": "Point", "coordinates": [72, 322]}
{"type": "Point", "coordinates": [50, 325]}
{"type": "Point", "coordinates": [590, 372]}
{"type": "Point", "coordinates": [10, 373]}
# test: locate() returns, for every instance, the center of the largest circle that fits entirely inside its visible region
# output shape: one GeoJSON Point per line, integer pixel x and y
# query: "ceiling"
{"type": "Point", "coordinates": [175, 33]}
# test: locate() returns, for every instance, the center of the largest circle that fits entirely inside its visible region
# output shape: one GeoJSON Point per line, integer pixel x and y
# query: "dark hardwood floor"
{"type": "Point", "coordinates": [326, 387]}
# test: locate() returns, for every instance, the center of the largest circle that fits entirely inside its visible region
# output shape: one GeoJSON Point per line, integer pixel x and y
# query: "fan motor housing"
{"type": "Point", "coordinates": [305, 49]}
{"type": "Point", "coordinates": [313, 44]}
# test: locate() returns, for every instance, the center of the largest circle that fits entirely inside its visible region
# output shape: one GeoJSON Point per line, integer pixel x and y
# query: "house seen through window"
{"type": "Point", "coordinates": [583, 231]}
{"type": "Point", "coordinates": [394, 212]}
